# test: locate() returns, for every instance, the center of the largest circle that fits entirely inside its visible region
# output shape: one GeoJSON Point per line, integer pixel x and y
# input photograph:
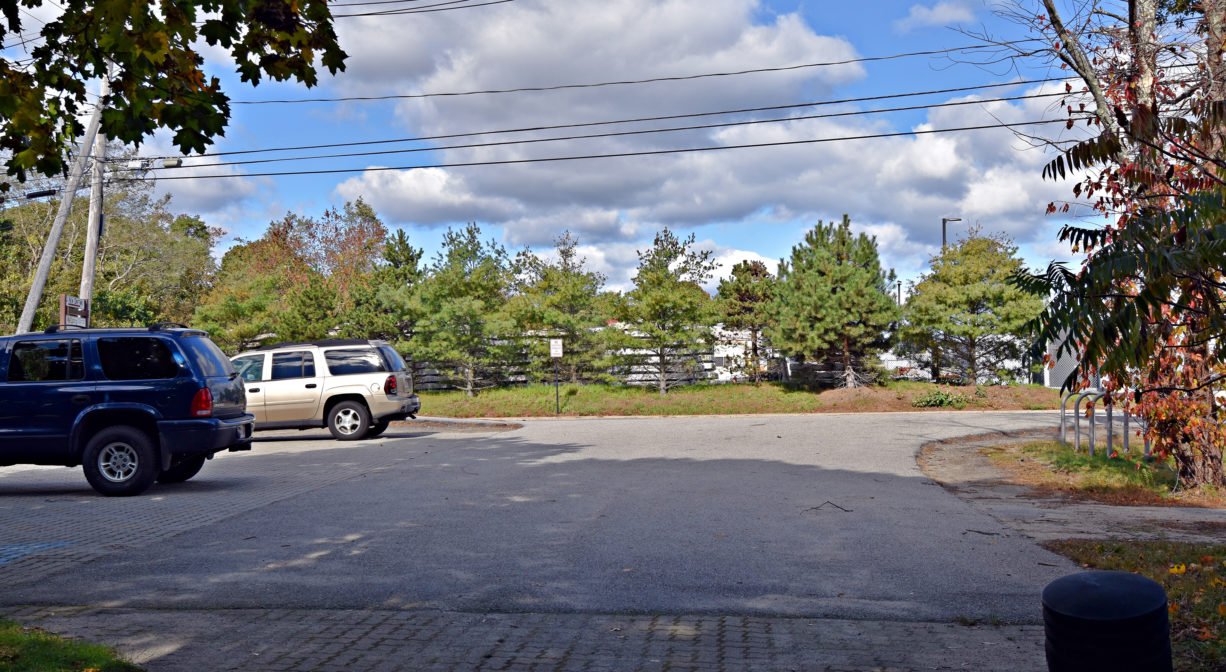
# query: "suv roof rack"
{"type": "Point", "coordinates": [56, 328]}
{"type": "Point", "coordinates": [324, 343]}
{"type": "Point", "coordinates": [159, 326]}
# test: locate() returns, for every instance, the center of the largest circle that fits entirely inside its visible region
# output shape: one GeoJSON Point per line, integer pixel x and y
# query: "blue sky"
{"type": "Point", "coordinates": [740, 203]}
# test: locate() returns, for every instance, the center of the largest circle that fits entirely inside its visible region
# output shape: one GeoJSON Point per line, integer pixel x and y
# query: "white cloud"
{"type": "Point", "coordinates": [430, 196]}
{"type": "Point", "coordinates": [726, 257]}
{"type": "Point", "coordinates": [940, 14]}
{"type": "Point", "coordinates": [897, 188]}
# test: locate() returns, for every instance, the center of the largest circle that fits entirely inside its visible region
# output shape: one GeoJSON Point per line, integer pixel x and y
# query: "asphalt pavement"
{"type": "Point", "coordinates": [605, 537]}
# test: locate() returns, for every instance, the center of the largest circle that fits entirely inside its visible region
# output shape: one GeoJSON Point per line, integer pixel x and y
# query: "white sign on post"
{"type": "Point", "coordinates": [555, 347]}
{"type": "Point", "coordinates": [74, 311]}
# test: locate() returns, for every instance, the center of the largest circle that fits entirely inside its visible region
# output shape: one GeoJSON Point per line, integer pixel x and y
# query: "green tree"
{"type": "Point", "coordinates": [832, 300]}
{"type": "Point", "coordinates": [152, 265]}
{"type": "Point", "coordinates": [310, 311]}
{"type": "Point", "coordinates": [967, 311]}
{"type": "Point", "coordinates": [381, 304]}
{"type": "Point", "coordinates": [459, 311]}
{"type": "Point", "coordinates": [250, 290]}
{"type": "Point", "coordinates": [261, 290]}
{"type": "Point", "coordinates": [158, 78]}
{"type": "Point", "coordinates": [668, 313]}
{"type": "Point", "coordinates": [560, 298]}
{"type": "Point", "coordinates": [1146, 309]}
{"type": "Point", "coordinates": [745, 299]}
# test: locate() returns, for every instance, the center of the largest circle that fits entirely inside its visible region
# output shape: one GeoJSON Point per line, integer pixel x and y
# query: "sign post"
{"type": "Point", "coordinates": [555, 351]}
{"type": "Point", "coordinates": [74, 311]}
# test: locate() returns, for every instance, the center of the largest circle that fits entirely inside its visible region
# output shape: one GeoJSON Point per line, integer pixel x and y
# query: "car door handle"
{"type": "Point", "coordinates": [253, 389]}
{"type": "Point", "coordinates": [80, 398]}
{"type": "Point", "coordinates": [310, 386]}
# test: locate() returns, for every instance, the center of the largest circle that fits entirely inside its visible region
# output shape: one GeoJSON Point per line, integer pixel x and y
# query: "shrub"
{"type": "Point", "coordinates": [940, 399]}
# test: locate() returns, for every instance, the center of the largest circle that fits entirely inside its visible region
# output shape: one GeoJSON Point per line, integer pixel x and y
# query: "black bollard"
{"type": "Point", "coordinates": [1106, 622]}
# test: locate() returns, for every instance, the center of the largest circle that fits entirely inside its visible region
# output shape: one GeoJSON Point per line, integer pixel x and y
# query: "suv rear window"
{"type": "Point", "coordinates": [136, 358]}
{"type": "Point", "coordinates": [345, 361]}
{"type": "Point", "coordinates": [205, 353]}
{"type": "Point", "coordinates": [34, 361]}
{"type": "Point", "coordinates": [393, 359]}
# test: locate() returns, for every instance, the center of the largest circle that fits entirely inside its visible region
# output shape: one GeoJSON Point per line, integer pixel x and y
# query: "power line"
{"type": "Point", "coordinates": [591, 136]}
{"type": "Point", "coordinates": [371, 2]}
{"type": "Point", "coordinates": [656, 152]}
{"type": "Point", "coordinates": [689, 115]}
{"type": "Point", "coordinates": [590, 85]}
{"type": "Point", "coordinates": [423, 9]}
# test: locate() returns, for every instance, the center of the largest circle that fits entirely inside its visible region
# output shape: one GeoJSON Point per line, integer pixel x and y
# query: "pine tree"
{"type": "Point", "coordinates": [833, 299]}
{"type": "Point", "coordinates": [966, 310]}
{"type": "Point", "coordinates": [745, 299]}
{"type": "Point", "coordinates": [381, 302]}
{"type": "Point", "coordinates": [560, 298]}
{"type": "Point", "coordinates": [310, 311]}
{"type": "Point", "coordinates": [668, 312]}
{"type": "Point", "coordinates": [459, 311]}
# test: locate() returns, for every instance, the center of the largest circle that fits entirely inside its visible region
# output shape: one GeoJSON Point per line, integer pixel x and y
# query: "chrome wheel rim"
{"type": "Point", "coordinates": [117, 462]}
{"type": "Point", "coordinates": [347, 421]}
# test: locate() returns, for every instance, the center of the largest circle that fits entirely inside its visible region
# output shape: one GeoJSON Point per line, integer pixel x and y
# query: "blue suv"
{"type": "Point", "coordinates": [131, 406]}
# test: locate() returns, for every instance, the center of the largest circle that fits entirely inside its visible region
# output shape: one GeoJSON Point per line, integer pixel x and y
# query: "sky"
{"type": "Point", "coordinates": [740, 203]}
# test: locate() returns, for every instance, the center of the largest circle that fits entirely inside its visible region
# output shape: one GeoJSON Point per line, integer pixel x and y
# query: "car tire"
{"type": "Point", "coordinates": [120, 461]}
{"type": "Point", "coordinates": [377, 428]}
{"type": "Point", "coordinates": [182, 470]}
{"type": "Point", "coordinates": [348, 421]}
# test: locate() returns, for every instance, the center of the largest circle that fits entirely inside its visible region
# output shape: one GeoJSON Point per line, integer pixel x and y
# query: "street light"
{"type": "Point", "coordinates": [944, 221]}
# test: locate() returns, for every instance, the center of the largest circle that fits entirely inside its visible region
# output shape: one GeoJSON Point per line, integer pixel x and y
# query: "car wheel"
{"type": "Point", "coordinates": [182, 470]}
{"type": "Point", "coordinates": [348, 421]}
{"type": "Point", "coordinates": [120, 461]}
{"type": "Point", "coordinates": [377, 428]}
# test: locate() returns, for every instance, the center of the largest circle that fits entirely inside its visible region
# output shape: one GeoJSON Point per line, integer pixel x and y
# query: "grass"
{"type": "Point", "coordinates": [1194, 576]}
{"type": "Point", "coordinates": [32, 650]}
{"type": "Point", "coordinates": [726, 399]}
{"type": "Point", "coordinates": [1127, 480]}
{"type": "Point", "coordinates": [588, 400]}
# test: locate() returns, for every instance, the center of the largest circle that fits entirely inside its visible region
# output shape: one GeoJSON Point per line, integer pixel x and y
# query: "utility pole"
{"type": "Point", "coordinates": [57, 227]}
{"type": "Point", "coordinates": [93, 233]}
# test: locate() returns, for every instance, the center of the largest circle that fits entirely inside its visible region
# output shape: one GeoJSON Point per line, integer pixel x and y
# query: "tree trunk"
{"type": "Point", "coordinates": [1199, 466]}
{"type": "Point", "coordinates": [662, 367]}
{"type": "Point", "coordinates": [849, 374]}
{"type": "Point", "coordinates": [1215, 43]}
{"type": "Point", "coordinates": [754, 363]}
{"type": "Point", "coordinates": [469, 379]}
{"type": "Point", "coordinates": [1073, 55]}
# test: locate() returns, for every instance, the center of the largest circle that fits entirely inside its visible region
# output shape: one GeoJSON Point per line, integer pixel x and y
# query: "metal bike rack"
{"type": "Point", "coordinates": [1093, 395]}
{"type": "Point", "coordinates": [1063, 416]}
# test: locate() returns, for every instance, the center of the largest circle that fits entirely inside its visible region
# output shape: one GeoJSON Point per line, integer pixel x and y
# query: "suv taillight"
{"type": "Point", "coordinates": [389, 386]}
{"type": "Point", "coordinates": [202, 403]}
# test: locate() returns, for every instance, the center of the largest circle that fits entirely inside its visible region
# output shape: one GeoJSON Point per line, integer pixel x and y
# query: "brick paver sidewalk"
{"type": "Point", "coordinates": [323, 640]}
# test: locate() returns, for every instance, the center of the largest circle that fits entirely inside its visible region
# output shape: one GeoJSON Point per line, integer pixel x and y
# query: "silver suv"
{"type": "Point", "coordinates": [352, 387]}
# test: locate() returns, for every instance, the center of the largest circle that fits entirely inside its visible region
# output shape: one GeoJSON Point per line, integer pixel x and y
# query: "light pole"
{"type": "Point", "coordinates": [900, 292]}
{"type": "Point", "coordinates": [944, 221]}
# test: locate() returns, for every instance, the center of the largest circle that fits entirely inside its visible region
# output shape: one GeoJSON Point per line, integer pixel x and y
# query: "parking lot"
{"type": "Point", "coordinates": [594, 534]}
